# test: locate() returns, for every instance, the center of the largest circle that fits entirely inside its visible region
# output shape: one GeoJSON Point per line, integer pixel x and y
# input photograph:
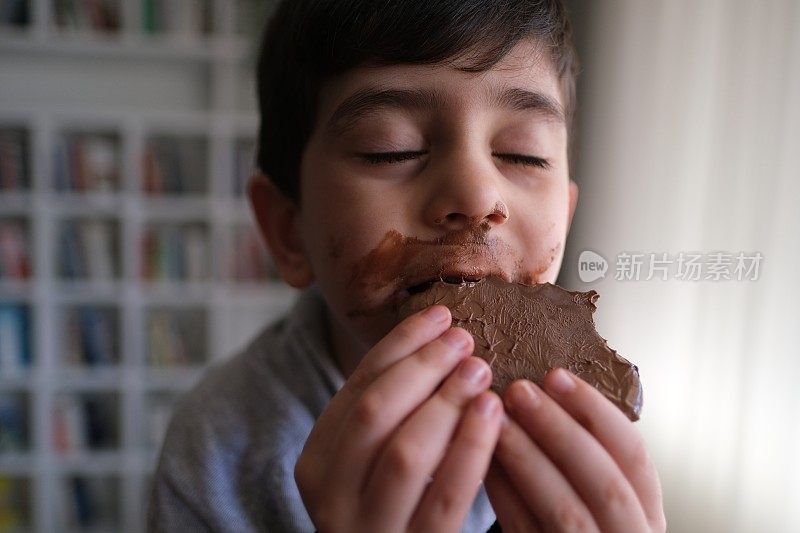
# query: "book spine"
{"type": "Point", "coordinates": [69, 425]}
{"type": "Point", "coordinates": [74, 350]}
{"type": "Point", "coordinates": [13, 159]}
{"type": "Point", "coordinates": [88, 324]}
{"type": "Point", "coordinates": [101, 163]}
{"type": "Point", "coordinates": [14, 344]}
{"type": "Point", "coordinates": [68, 252]}
{"type": "Point", "coordinates": [12, 423]}
{"type": "Point", "coordinates": [148, 16]}
{"type": "Point", "coordinates": [14, 260]}
{"type": "Point", "coordinates": [98, 247]}
{"type": "Point", "coordinates": [14, 12]}
{"type": "Point", "coordinates": [195, 253]}
{"type": "Point", "coordinates": [11, 517]}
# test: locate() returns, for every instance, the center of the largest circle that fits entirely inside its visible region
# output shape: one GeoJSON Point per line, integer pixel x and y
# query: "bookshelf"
{"type": "Point", "coordinates": [128, 256]}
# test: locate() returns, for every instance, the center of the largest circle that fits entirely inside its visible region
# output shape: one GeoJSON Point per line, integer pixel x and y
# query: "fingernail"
{"type": "Point", "coordinates": [527, 396]}
{"type": "Point", "coordinates": [455, 338]}
{"type": "Point", "coordinates": [473, 370]}
{"type": "Point", "coordinates": [437, 313]}
{"type": "Point", "coordinates": [561, 382]}
{"type": "Point", "coordinates": [487, 405]}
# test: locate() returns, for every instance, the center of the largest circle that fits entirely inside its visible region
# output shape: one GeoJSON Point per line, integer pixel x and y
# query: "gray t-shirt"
{"type": "Point", "coordinates": [228, 458]}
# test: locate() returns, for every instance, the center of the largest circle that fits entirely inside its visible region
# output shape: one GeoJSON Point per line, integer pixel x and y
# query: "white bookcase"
{"type": "Point", "coordinates": [131, 87]}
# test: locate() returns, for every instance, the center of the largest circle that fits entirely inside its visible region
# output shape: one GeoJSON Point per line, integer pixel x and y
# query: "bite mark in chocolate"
{"type": "Point", "coordinates": [524, 331]}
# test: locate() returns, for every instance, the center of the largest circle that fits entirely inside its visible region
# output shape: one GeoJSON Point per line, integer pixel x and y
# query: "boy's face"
{"type": "Point", "coordinates": [480, 185]}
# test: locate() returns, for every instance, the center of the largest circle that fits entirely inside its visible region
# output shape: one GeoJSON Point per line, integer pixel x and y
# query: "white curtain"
{"type": "Point", "coordinates": [689, 141]}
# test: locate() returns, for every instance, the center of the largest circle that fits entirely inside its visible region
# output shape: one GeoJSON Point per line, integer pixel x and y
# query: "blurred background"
{"type": "Point", "coordinates": [128, 259]}
{"type": "Point", "coordinates": [687, 145]}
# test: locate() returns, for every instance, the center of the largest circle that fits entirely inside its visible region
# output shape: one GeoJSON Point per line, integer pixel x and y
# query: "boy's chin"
{"type": "Point", "coordinates": [372, 303]}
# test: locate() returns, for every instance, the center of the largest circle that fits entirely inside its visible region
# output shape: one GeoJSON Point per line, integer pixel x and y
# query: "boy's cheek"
{"type": "Point", "coordinates": [540, 240]}
{"type": "Point", "coordinates": [349, 267]}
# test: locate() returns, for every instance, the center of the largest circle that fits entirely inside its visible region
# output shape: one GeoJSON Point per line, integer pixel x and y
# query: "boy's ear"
{"type": "Point", "coordinates": [278, 218]}
{"type": "Point", "coordinates": [573, 202]}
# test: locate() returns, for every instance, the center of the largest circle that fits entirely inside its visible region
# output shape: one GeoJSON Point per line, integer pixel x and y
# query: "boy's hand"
{"type": "Point", "coordinates": [569, 460]}
{"type": "Point", "coordinates": [408, 412]}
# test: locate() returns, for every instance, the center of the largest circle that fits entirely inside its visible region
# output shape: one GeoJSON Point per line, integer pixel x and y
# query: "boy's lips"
{"type": "Point", "coordinates": [454, 280]}
{"type": "Point", "coordinates": [422, 283]}
{"type": "Point", "coordinates": [421, 275]}
{"type": "Point", "coordinates": [388, 274]}
{"type": "Point", "coordinates": [451, 264]}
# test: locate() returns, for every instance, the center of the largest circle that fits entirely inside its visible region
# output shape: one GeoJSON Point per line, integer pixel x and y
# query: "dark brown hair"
{"type": "Point", "coordinates": [309, 41]}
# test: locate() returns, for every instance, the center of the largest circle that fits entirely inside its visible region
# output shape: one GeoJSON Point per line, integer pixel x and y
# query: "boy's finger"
{"type": "Point", "coordinates": [512, 512]}
{"type": "Point", "coordinates": [457, 480]}
{"type": "Point", "coordinates": [390, 398]}
{"type": "Point", "coordinates": [543, 488]}
{"type": "Point", "coordinates": [406, 338]}
{"type": "Point", "coordinates": [614, 432]}
{"type": "Point", "coordinates": [417, 447]}
{"type": "Point", "coordinates": [582, 459]}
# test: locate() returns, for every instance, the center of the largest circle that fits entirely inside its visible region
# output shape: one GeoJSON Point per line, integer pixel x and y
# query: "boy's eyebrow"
{"type": "Point", "coordinates": [369, 100]}
{"type": "Point", "coordinates": [524, 100]}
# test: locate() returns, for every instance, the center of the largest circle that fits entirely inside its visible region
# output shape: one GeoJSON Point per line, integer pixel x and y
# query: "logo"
{"type": "Point", "coordinates": [591, 266]}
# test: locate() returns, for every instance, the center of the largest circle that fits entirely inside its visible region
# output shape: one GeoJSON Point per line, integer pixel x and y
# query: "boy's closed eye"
{"type": "Point", "coordinates": [378, 158]}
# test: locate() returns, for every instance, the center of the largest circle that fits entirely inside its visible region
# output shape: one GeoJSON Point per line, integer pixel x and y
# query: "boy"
{"type": "Point", "coordinates": [403, 141]}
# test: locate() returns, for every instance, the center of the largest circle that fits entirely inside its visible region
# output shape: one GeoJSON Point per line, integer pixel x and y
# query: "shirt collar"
{"type": "Point", "coordinates": [308, 328]}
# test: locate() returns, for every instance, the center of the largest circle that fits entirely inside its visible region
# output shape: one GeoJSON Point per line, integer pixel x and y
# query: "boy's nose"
{"type": "Point", "coordinates": [466, 193]}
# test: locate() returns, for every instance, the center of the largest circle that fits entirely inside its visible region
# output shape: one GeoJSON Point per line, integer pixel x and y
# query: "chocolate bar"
{"type": "Point", "coordinates": [524, 331]}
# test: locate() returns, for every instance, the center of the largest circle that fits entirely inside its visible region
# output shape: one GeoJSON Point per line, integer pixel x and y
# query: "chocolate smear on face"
{"type": "Point", "coordinates": [398, 259]}
{"type": "Point", "coordinates": [524, 331]}
{"type": "Point", "coordinates": [536, 276]}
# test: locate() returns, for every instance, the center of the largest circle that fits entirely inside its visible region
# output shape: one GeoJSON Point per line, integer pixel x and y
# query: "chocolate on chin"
{"type": "Point", "coordinates": [523, 331]}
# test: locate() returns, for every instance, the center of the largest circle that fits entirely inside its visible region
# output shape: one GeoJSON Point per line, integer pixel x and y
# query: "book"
{"type": "Point", "coordinates": [87, 250]}
{"type": "Point", "coordinates": [14, 154]}
{"type": "Point", "coordinates": [195, 253]}
{"type": "Point", "coordinates": [181, 19]}
{"type": "Point", "coordinates": [172, 252]}
{"type": "Point", "coordinates": [101, 162]}
{"type": "Point", "coordinates": [87, 162]}
{"type": "Point", "coordinates": [185, 18]}
{"type": "Point", "coordinates": [165, 340]}
{"type": "Point", "coordinates": [69, 423]}
{"type": "Point", "coordinates": [84, 508]}
{"type": "Point", "coordinates": [98, 252]}
{"type": "Point", "coordinates": [149, 18]}
{"type": "Point", "coordinates": [13, 423]}
{"type": "Point", "coordinates": [14, 503]}
{"type": "Point", "coordinates": [87, 15]}
{"type": "Point", "coordinates": [176, 337]}
{"type": "Point", "coordinates": [15, 345]}
{"type": "Point", "coordinates": [175, 165]}
{"type": "Point", "coordinates": [71, 263]}
{"type": "Point", "coordinates": [15, 263]}
{"type": "Point", "coordinates": [84, 422]}
{"type": "Point", "coordinates": [100, 336]}
{"type": "Point", "coordinates": [101, 422]}
{"type": "Point", "coordinates": [175, 252]}
{"type": "Point", "coordinates": [15, 12]}
{"type": "Point", "coordinates": [91, 336]}
{"type": "Point", "coordinates": [89, 503]}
